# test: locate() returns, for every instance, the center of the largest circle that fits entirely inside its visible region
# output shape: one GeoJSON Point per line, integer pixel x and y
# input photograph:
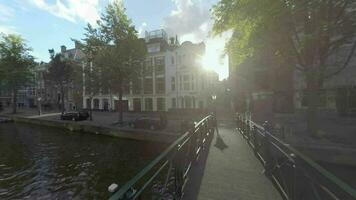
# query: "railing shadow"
{"type": "Point", "coordinates": [197, 173]}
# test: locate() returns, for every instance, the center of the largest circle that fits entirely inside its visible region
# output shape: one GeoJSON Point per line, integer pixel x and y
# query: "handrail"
{"type": "Point", "coordinates": [170, 156]}
{"type": "Point", "coordinates": [280, 158]}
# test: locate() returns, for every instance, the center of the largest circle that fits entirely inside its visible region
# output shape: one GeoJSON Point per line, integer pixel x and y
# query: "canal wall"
{"type": "Point", "coordinates": [125, 133]}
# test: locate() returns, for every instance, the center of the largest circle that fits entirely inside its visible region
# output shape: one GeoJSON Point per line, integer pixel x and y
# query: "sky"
{"type": "Point", "coordinates": [47, 24]}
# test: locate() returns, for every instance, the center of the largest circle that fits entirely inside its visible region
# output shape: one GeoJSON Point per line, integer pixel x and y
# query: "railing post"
{"type": "Point", "coordinates": [178, 164]}
{"type": "Point", "coordinates": [267, 150]}
{"type": "Point", "coordinates": [254, 141]}
{"type": "Point", "coordinates": [129, 194]}
{"type": "Point", "coordinates": [243, 126]}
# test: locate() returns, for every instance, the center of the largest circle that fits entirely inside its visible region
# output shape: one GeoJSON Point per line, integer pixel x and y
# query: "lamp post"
{"type": "Point", "coordinates": [39, 105]}
{"type": "Point", "coordinates": [213, 97]}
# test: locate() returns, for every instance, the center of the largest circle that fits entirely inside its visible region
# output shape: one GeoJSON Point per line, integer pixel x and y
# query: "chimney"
{"type": "Point", "coordinates": [63, 49]}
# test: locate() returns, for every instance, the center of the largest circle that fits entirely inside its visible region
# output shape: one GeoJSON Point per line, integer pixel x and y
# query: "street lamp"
{"type": "Point", "coordinates": [39, 105]}
{"type": "Point", "coordinates": [213, 97]}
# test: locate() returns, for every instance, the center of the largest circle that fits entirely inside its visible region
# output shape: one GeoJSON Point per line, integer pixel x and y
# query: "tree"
{"type": "Point", "coordinates": [16, 65]}
{"type": "Point", "coordinates": [60, 74]}
{"type": "Point", "coordinates": [122, 56]}
{"type": "Point", "coordinates": [304, 33]}
{"type": "Point", "coordinates": [91, 45]}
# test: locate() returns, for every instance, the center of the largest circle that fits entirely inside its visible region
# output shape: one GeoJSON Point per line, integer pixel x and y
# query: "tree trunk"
{"type": "Point", "coordinates": [14, 101]}
{"type": "Point", "coordinates": [312, 103]}
{"type": "Point", "coordinates": [39, 105]}
{"type": "Point", "coordinates": [312, 75]}
{"type": "Point", "coordinates": [90, 108]}
{"type": "Point", "coordinates": [111, 102]}
{"type": "Point", "coordinates": [62, 96]}
{"type": "Point", "coordinates": [120, 105]}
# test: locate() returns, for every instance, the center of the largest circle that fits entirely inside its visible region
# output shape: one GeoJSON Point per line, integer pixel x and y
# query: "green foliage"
{"type": "Point", "coordinates": [91, 45]}
{"type": "Point", "coordinates": [16, 63]}
{"type": "Point", "coordinates": [304, 32]}
{"type": "Point", "coordinates": [115, 25]}
{"type": "Point", "coordinates": [114, 53]}
{"type": "Point", "coordinates": [114, 48]}
{"type": "Point", "coordinates": [60, 70]}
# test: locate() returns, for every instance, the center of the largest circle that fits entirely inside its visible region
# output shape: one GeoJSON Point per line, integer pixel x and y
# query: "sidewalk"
{"type": "Point", "coordinates": [231, 171]}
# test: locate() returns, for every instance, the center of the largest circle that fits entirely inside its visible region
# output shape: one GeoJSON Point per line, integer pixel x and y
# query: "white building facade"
{"type": "Point", "coordinates": [172, 78]}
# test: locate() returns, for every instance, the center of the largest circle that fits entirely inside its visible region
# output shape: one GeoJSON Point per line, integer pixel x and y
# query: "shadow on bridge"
{"type": "Point", "coordinates": [229, 170]}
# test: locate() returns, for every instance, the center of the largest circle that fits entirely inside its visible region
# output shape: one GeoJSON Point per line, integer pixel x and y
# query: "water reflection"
{"type": "Point", "coordinates": [42, 163]}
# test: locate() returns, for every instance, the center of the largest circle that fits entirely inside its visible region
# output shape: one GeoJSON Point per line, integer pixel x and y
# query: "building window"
{"type": "Point", "coordinates": [159, 65]}
{"type": "Point", "coordinates": [201, 104]}
{"type": "Point", "coordinates": [184, 61]}
{"type": "Point", "coordinates": [148, 86]}
{"type": "Point", "coordinates": [186, 82]}
{"type": "Point", "coordinates": [160, 86]}
{"type": "Point", "coordinates": [173, 83]}
{"type": "Point", "coordinates": [180, 83]}
{"type": "Point", "coordinates": [106, 104]}
{"type": "Point", "coordinates": [88, 103]}
{"type": "Point", "coordinates": [321, 101]}
{"type": "Point", "coordinates": [148, 104]}
{"type": "Point", "coordinates": [148, 67]}
{"type": "Point", "coordinates": [188, 102]}
{"type": "Point", "coordinates": [192, 82]}
{"type": "Point", "coordinates": [174, 103]}
{"type": "Point", "coordinates": [136, 86]}
{"type": "Point", "coordinates": [161, 104]}
{"type": "Point", "coordinates": [126, 89]}
{"type": "Point", "coordinates": [159, 60]}
{"type": "Point", "coordinates": [96, 103]}
{"type": "Point", "coordinates": [152, 48]}
{"type": "Point", "coordinates": [137, 105]}
{"type": "Point", "coordinates": [172, 60]}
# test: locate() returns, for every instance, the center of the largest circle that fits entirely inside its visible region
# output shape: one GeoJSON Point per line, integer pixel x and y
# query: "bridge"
{"type": "Point", "coordinates": [238, 160]}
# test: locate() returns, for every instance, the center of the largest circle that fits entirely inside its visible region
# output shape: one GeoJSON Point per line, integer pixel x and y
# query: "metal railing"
{"type": "Point", "coordinates": [166, 176]}
{"type": "Point", "coordinates": [294, 174]}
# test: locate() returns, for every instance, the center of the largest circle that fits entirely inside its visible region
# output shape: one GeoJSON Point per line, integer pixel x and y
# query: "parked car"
{"type": "Point", "coordinates": [148, 123]}
{"type": "Point", "coordinates": [75, 115]}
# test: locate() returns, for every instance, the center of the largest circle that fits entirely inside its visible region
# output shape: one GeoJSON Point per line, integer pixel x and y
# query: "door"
{"type": "Point", "coordinates": [137, 105]}
{"type": "Point", "coordinates": [124, 105]}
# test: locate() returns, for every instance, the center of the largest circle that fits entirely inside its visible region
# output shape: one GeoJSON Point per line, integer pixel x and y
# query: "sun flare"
{"type": "Point", "coordinates": [214, 58]}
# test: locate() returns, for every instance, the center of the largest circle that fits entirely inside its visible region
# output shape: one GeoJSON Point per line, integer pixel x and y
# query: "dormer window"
{"type": "Point", "coordinates": [153, 48]}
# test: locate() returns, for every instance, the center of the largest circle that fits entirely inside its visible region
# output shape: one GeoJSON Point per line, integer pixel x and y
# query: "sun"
{"type": "Point", "coordinates": [214, 58]}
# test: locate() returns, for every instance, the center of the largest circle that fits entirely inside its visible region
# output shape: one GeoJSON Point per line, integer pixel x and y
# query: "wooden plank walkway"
{"type": "Point", "coordinates": [229, 171]}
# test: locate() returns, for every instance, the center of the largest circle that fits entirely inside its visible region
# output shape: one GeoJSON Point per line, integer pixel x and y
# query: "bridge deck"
{"type": "Point", "coordinates": [229, 171]}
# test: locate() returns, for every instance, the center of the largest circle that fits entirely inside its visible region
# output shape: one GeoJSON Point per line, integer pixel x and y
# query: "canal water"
{"type": "Point", "coordinates": [48, 163]}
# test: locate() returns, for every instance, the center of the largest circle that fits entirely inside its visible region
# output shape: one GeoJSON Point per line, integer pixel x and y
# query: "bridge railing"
{"type": "Point", "coordinates": [165, 177]}
{"type": "Point", "coordinates": [293, 173]}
